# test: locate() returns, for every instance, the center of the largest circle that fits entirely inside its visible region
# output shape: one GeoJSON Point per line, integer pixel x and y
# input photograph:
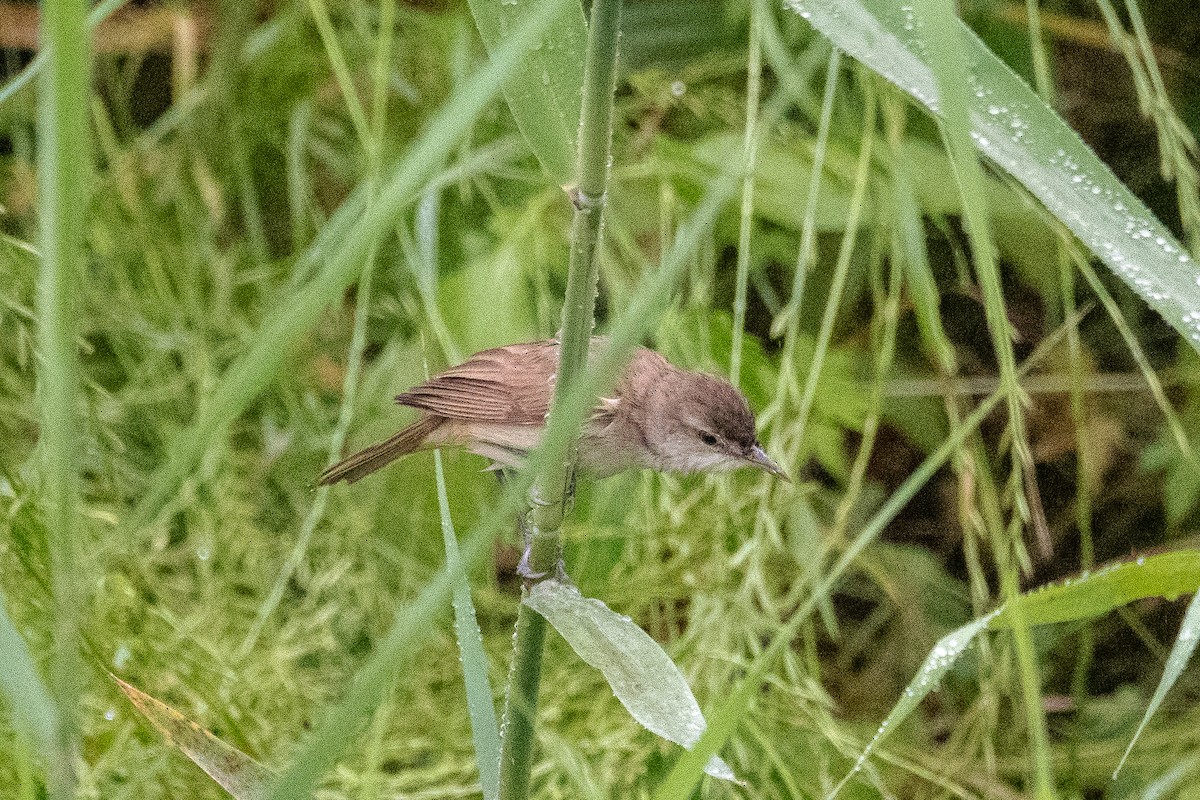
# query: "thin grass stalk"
{"type": "Point", "coordinates": [841, 270]}
{"type": "Point", "coordinates": [750, 156]}
{"type": "Point", "coordinates": [949, 63]}
{"type": "Point", "coordinates": [64, 171]}
{"type": "Point", "coordinates": [794, 77]}
{"type": "Point", "coordinates": [789, 320]}
{"type": "Point", "coordinates": [1153, 382]}
{"type": "Point", "coordinates": [341, 71]}
{"type": "Point", "coordinates": [886, 349]}
{"type": "Point", "coordinates": [553, 489]}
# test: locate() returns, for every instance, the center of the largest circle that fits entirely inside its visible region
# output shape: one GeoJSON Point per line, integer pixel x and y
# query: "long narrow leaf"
{"type": "Point", "coordinates": [1024, 136]}
{"type": "Point", "coordinates": [1095, 593]}
{"type": "Point", "coordinates": [939, 661]}
{"type": "Point", "coordinates": [484, 730]}
{"type": "Point", "coordinates": [543, 91]}
{"type": "Point", "coordinates": [1181, 654]}
{"type": "Point", "coordinates": [236, 772]}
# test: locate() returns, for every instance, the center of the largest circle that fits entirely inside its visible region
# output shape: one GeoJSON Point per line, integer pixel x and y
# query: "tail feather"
{"type": "Point", "coordinates": [379, 455]}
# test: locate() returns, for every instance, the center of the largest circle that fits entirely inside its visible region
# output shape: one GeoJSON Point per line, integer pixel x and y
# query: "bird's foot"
{"type": "Point", "coordinates": [526, 571]}
{"type": "Point", "coordinates": [531, 576]}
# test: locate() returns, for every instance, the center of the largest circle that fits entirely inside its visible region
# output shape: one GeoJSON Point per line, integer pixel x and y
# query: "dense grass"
{"type": "Point", "coordinates": [221, 323]}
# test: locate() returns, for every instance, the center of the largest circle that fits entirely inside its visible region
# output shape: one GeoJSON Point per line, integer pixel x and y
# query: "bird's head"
{"type": "Point", "coordinates": [700, 423]}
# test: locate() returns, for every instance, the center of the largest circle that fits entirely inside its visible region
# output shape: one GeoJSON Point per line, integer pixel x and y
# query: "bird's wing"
{"type": "Point", "coordinates": [510, 384]}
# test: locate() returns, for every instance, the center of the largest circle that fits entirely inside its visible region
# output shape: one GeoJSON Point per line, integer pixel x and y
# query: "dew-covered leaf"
{"type": "Point", "coordinates": [1088, 595]}
{"type": "Point", "coordinates": [641, 674]}
{"type": "Point", "coordinates": [543, 92]}
{"type": "Point", "coordinates": [1020, 133]}
{"type": "Point", "coordinates": [236, 772]}
{"type": "Point", "coordinates": [939, 661]}
{"type": "Point", "coordinates": [1092, 594]}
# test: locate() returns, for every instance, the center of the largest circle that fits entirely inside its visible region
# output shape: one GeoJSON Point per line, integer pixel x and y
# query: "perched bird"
{"type": "Point", "coordinates": [495, 404]}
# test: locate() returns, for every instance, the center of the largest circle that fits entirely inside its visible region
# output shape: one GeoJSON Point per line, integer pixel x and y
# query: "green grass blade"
{"type": "Point", "coordinates": [358, 225]}
{"type": "Point", "coordinates": [1094, 593]}
{"type": "Point", "coordinates": [939, 661]}
{"type": "Point", "coordinates": [485, 732]}
{"type": "Point", "coordinates": [543, 91]}
{"type": "Point", "coordinates": [841, 272]}
{"type": "Point", "coordinates": [64, 175]}
{"type": "Point", "coordinates": [30, 700]}
{"type": "Point", "coordinates": [1025, 137]}
{"type": "Point", "coordinates": [750, 142]}
{"type": "Point", "coordinates": [1181, 654]}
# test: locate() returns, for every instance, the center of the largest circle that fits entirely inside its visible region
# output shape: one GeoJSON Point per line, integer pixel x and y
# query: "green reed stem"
{"type": "Point", "coordinates": [63, 172]}
{"type": "Point", "coordinates": [553, 489]}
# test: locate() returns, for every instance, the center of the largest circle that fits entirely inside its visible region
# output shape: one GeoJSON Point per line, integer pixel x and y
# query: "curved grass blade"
{"type": "Point", "coordinates": [543, 90]}
{"type": "Point", "coordinates": [641, 674]}
{"type": "Point", "coordinates": [1024, 136]}
{"type": "Point", "coordinates": [485, 732]}
{"type": "Point", "coordinates": [236, 772]}
{"type": "Point", "coordinates": [32, 707]}
{"type": "Point", "coordinates": [1089, 595]}
{"type": "Point", "coordinates": [939, 661]}
{"type": "Point", "coordinates": [1098, 592]}
{"type": "Point", "coordinates": [1181, 654]}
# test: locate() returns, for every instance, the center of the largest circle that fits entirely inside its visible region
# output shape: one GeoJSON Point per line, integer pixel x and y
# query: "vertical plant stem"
{"type": "Point", "coordinates": [840, 272]}
{"type": "Point", "coordinates": [750, 154]}
{"type": "Point", "coordinates": [552, 491]}
{"type": "Point", "coordinates": [949, 62]}
{"type": "Point", "coordinates": [63, 172]}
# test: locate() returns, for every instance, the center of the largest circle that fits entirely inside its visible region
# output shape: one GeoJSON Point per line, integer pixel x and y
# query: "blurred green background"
{"type": "Point", "coordinates": [223, 144]}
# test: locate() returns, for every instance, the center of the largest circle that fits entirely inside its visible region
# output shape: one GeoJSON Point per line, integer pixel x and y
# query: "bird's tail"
{"type": "Point", "coordinates": [379, 455]}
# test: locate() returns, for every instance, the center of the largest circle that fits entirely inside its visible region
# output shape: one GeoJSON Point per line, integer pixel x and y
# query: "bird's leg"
{"type": "Point", "coordinates": [524, 568]}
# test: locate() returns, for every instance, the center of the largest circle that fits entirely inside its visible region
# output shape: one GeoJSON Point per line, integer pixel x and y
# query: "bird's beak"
{"type": "Point", "coordinates": [759, 458]}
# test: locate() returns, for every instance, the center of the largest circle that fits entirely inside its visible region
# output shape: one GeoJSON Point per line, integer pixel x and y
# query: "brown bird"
{"type": "Point", "coordinates": [495, 404]}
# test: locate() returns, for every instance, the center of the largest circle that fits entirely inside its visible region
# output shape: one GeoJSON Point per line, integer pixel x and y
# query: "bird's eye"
{"type": "Point", "coordinates": [708, 438]}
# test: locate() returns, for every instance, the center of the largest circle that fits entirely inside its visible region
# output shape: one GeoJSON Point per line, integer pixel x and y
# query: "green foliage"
{"type": "Point", "coordinates": [219, 310]}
